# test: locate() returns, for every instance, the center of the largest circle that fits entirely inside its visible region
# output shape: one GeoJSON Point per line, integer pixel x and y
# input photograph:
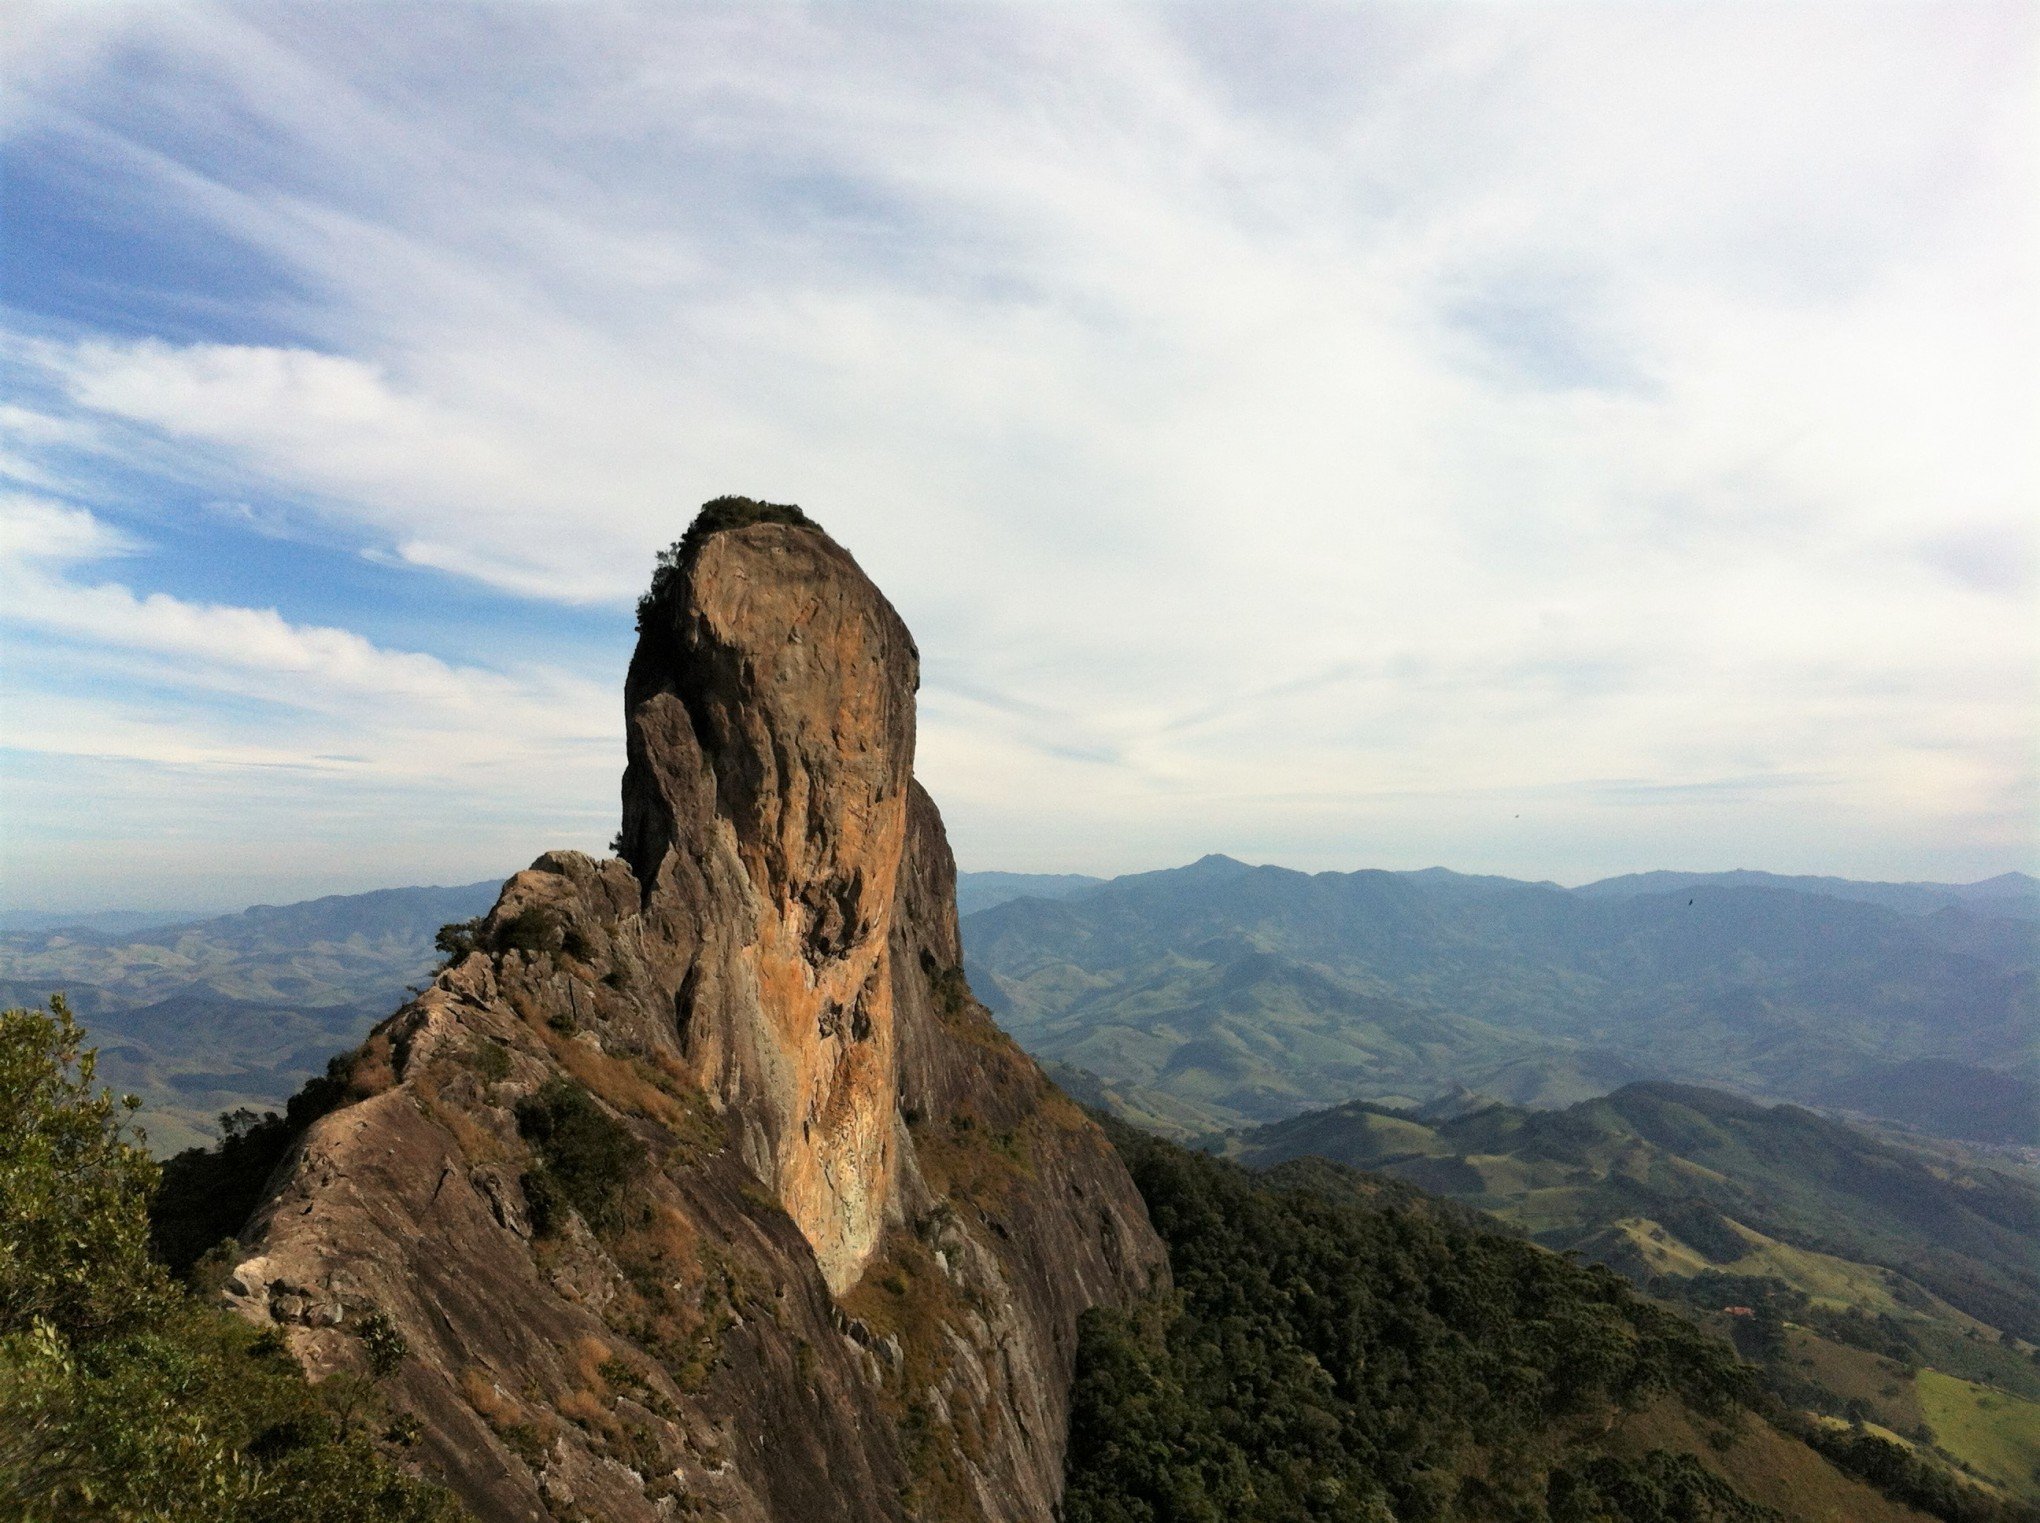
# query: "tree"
{"type": "Point", "coordinates": [75, 1182]}
{"type": "Point", "coordinates": [123, 1398]}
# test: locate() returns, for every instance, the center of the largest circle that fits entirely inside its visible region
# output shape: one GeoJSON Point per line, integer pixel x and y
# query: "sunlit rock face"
{"type": "Point", "coordinates": [836, 1268]}
{"type": "Point", "coordinates": [771, 712]}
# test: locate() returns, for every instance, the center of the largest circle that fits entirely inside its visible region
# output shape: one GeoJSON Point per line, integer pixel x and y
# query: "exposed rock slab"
{"type": "Point", "coordinates": [845, 1279]}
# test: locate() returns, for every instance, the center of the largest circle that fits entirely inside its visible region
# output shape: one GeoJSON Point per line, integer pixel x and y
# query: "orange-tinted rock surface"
{"type": "Point", "coordinates": [842, 1276]}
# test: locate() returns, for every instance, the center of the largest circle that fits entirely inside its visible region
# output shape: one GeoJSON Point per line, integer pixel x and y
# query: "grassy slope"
{"type": "Point", "coordinates": [1765, 1465]}
{"type": "Point", "coordinates": [1687, 1174]}
{"type": "Point", "coordinates": [1852, 1221]}
{"type": "Point", "coordinates": [1993, 1432]}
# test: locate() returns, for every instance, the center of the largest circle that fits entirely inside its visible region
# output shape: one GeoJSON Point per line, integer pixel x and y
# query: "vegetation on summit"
{"type": "Point", "coordinates": [716, 515]}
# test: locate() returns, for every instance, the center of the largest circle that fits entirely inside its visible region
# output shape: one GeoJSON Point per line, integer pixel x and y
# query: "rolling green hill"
{"type": "Point", "coordinates": [1253, 993]}
{"type": "Point", "coordinates": [1338, 1347]}
{"type": "Point", "coordinates": [1838, 1247]}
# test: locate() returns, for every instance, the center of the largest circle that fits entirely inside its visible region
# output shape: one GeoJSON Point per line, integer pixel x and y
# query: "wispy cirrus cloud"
{"type": "Point", "coordinates": [207, 698]}
{"type": "Point", "coordinates": [1611, 392]}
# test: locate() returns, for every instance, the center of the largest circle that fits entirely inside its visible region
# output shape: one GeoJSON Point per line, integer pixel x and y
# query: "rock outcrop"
{"type": "Point", "coordinates": [702, 1187]}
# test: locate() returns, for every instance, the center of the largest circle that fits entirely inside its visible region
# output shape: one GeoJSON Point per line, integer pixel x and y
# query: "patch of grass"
{"type": "Point", "coordinates": [489, 1059]}
{"type": "Point", "coordinates": [1880, 1390]}
{"type": "Point", "coordinates": [905, 1294]}
{"type": "Point", "coordinates": [1993, 1432]}
{"type": "Point", "coordinates": [506, 1417]}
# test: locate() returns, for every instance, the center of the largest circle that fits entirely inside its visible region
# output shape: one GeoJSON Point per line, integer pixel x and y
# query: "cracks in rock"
{"type": "Point", "coordinates": [684, 999]}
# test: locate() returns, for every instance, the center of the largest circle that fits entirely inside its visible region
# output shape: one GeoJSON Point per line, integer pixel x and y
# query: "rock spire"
{"type": "Point", "coordinates": [832, 1261]}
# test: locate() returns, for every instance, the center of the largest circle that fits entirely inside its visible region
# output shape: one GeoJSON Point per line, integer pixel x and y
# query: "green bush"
{"type": "Point", "coordinates": [123, 1399]}
{"type": "Point", "coordinates": [387, 1348]}
{"type": "Point", "coordinates": [455, 941]}
{"type": "Point", "coordinates": [491, 1060]}
{"type": "Point", "coordinates": [586, 1158]}
{"type": "Point", "coordinates": [74, 1185]}
{"type": "Point", "coordinates": [207, 1194]}
{"type": "Point", "coordinates": [531, 929]}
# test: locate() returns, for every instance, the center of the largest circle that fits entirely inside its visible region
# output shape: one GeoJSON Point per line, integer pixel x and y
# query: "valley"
{"type": "Point", "coordinates": [234, 1011]}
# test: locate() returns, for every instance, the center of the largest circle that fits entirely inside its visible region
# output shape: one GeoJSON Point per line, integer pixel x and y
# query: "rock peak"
{"type": "Point", "coordinates": [697, 1181]}
{"type": "Point", "coordinates": [770, 713]}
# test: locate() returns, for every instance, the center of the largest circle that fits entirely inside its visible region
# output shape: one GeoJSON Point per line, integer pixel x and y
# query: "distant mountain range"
{"type": "Point", "coordinates": [237, 1010]}
{"type": "Point", "coordinates": [981, 891]}
{"type": "Point", "coordinates": [2013, 894]}
{"type": "Point", "coordinates": [1220, 994]}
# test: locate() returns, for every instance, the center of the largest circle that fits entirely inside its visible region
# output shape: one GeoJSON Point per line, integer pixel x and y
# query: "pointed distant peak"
{"type": "Point", "coordinates": [1217, 862]}
{"type": "Point", "coordinates": [2008, 881]}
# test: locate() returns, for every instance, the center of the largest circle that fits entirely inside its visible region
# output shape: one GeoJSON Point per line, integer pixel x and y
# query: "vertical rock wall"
{"type": "Point", "coordinates": [844, 1279]}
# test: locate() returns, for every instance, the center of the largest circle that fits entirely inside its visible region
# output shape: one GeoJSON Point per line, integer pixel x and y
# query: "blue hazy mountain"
{"type": "Point", "coordinates": [208, 1015]}
{"type": "Point", "coordinates": [981, 891]}
{"type": "Point", "coordinates": [1245, 994]}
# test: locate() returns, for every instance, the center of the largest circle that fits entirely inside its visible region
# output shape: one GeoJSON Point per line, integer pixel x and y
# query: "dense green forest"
{"type": "Point", "coordinates": [1337, 1348]}
{"type": "Point", "coordinates": [123, 1395]}
{"type": "Point", "coordinates": [1893, 1282]}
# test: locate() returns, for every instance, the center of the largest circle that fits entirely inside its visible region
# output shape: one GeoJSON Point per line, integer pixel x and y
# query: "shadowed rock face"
{"type": "Point", "coordinates": [843, 1278]}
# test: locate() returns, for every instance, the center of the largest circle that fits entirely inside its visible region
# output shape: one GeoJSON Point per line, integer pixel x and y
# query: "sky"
{"type": "Point", "coordinates": [1547, 439]}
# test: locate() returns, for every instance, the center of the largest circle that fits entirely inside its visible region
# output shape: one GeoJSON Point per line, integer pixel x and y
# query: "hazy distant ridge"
{"type": "Point", "coordinates": [204, 1016]}
{"type": "Point", "coordinates": [1234, 993]}
{"type": "Point", "coordinates": [1224, 993]}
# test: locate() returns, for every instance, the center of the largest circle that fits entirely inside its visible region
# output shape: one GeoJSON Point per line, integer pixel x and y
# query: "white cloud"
{"type": "Point", "coordinates": [1309, 430]}
{"type": "Point", "coordinates": [204, 699]}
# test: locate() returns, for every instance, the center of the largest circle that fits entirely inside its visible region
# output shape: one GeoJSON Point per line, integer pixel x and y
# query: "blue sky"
{"type": "Point", "coordinates": [1555, 440]}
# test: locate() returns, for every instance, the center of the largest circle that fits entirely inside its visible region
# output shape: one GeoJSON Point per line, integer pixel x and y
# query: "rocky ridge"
{"type": "Point", "coordinates": [702, 1186]}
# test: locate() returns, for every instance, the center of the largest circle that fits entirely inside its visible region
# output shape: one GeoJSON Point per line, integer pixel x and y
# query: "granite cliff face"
{"type": "Point", "coordinates": [823, 1248]}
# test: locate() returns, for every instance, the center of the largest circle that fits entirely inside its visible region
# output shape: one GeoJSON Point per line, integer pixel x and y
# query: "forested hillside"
{"type": "Point", "coordinates": [1875, 1280]}
{"type": "Point", "coordinates": [1224, 993]}
{"type": "Point", "coordinates": [1338, 1348]}
{"type": "Point", "coordinates": [126, 1397]}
